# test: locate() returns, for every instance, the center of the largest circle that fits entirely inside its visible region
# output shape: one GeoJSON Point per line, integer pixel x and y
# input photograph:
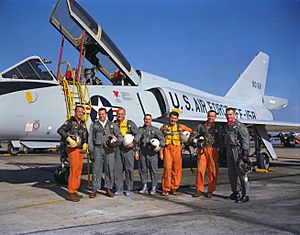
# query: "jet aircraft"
{"type": "Point", "coordinates": [39, 102]}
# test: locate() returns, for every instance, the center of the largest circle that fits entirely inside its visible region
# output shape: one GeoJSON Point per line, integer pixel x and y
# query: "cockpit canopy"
{"type": "Point", "coordinates": [71, 20]}
{"type": "Point", "coordinates": [32, 68]}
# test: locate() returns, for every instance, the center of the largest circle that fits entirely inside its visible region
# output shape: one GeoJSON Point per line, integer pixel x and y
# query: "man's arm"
{"type": "Point", "coordinates": [133, 128]}
{"type": "Point", "coordinates": [117, 134]}
{"type": "Point", "coordinates": [137, 139]}
{"type": "Point", "coordinates": [160, 137]}
{"type": "Point", "coordinates": [64, 129]}
{"type": "Point", "coordinates": [185, 128]}
{"type": "Point", "coordinates": [85, 135]}
{"type": "Point", "coordinates": [220, 137]}
{"type": "Point", "coordinates": [91, 139]}
{"type": "Point", "coordinates": [244, 138]}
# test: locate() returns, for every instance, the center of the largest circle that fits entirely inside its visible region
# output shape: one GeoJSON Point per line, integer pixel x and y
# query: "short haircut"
{"type": "Point", "coordinates": [230, 109]}
{"type": "Point", "coordinates": [102, 109]}
{"type": "Point", "coordinates": [211, 111]}
{"type": "Point", "coordinates": [78, 106]}
{"type": "Point", "coordinates": [121, 108]}
{"type": "Point", "coordinates": [173, 113]}
{"type": "Point", "coordinates": [147, 114]}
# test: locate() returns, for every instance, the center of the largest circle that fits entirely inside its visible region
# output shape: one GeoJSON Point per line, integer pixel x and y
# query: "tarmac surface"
{"type": "Point", "coordinates": [32, 203]}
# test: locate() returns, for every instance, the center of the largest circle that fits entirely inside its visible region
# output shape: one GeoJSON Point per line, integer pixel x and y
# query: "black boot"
{"type": "Point", "coordinates": [243, 199]}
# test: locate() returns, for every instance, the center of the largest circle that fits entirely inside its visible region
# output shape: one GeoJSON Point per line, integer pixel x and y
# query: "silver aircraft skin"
{"type": "Point", "coordinates": [34, 102]}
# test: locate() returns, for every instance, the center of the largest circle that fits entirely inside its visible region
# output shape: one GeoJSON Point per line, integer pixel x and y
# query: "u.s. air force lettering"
{"type": "Point", "coordinates": [195, 104]}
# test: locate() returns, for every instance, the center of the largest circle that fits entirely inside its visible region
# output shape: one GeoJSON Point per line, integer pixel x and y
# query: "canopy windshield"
{"type": "Point", "coordinates": [71, 20]}
{"type": "Point", "coordinates": [32, 69]}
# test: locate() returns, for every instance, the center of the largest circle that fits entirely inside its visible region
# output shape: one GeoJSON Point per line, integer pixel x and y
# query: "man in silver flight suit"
{"type": "Point", "coordinates": [237, 141]}
{"type": "Point", "coordinates": [147, 154]}
{"type": "Point", "coordinates": [124, 155]}
{"type": "Point", "coordinates": [102, 135]}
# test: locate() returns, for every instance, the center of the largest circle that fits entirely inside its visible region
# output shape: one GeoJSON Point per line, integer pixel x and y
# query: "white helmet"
{"type": "Point", "coordinates": [154, 142]}
{"type": "Point", "coordinates": [128, 139]}
{"type": "Point", "coordinates": [185, 136]}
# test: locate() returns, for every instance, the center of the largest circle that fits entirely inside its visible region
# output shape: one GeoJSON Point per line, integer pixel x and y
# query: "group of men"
{"type": "Point", "coordinates": [114, 146]}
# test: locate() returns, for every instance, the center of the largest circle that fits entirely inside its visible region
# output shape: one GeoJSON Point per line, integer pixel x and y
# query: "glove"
{"type": "Point", "coordinates": [84, 148]}
{"type": "Point", "coordinates": [71, 142]}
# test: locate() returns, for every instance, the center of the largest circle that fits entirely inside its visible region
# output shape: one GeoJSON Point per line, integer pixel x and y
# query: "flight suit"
{"type": "Point", "coordinates": [148, 157]}
{"type": "Point", "coordinates": [237, 142]}
{"type": "Point", "coordinates": [72, 127]}
{"type": "Point", "coordinates": [98, 135]}
{"type": "Point", "coordinates": [172, 156]}
{"type": "Point", "coordinates": [208, 157]}
{"type": "Point", "coordinates": [124, 159]}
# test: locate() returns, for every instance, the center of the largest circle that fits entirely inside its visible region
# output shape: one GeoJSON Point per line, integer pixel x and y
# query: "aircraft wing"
{"type": "Point", "coordinates": [274, 126]}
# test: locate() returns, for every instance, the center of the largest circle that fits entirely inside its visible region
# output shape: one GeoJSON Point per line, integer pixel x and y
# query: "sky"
{"type": "Point", "coordinates": [201, 43]}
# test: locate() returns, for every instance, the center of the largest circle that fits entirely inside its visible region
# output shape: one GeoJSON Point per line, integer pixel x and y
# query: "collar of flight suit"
{"type": "Point", "coordinates": [103, 123]}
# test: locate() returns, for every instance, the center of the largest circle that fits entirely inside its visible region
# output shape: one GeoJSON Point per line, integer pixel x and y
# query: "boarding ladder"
{"type": "Point", "coordinates": [75, 92]}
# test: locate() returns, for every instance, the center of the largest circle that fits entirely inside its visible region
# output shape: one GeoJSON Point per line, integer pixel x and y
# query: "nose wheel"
{"type": "Point", "coordinates": [12, 150]}
{"type": "Point", "coordinates": [263, 161]}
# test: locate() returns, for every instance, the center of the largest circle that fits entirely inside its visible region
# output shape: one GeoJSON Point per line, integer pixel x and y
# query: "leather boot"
{"type": "Point", "coordinates": [79, 195]}
{"type": "Point", "coordinates": [165, 193]}
{"type": "Point", "coordinates": [153, 190]}
{"type": "Point", "coordinates": [72, 197]}
{"type": "Point", "coordinates": [234, 196]}
{"type": "Point", "coordinates": [109, 193]}
{"type": "Point", "coordinates": [144, 189]}
{"type": "Point", "coordinates": [173, 192]}
{"type": "Point", "coordinates": [197, 193]}
{"type": "Point", "coordinates": [93, 194]}
{"type": "Point", "coordinates": [243, 199]}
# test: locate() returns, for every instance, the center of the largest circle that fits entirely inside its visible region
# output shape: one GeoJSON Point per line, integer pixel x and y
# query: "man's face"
{"type": "Point", "coordinates": [79, 113]}
{"type": "Point", "coordinates": [230, 115]}
{"type": "Point", "coordinates": [121, 115]}
{"type": "Point", "coordinates": [102, 115]}
{"type": "Point", "coordinates": [173, 119]}
{"type": "Point", "coordinates": [147, 120]}
{"type": "Point", "coordinates": [211, 117]}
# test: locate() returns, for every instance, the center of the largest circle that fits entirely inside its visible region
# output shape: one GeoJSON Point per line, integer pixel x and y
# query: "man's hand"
{"type": "Point", "coordinates": [71, 142]}
{"type": "Point", "coordinates": [84, 148]}
{"type": "Point", "coordinates": [157, 149]}
{"type": "Point", "coordinates": [137, 155]}
{"type": "Point", "coordinates": [130, 145]}
{"type": "Point", "coordinates": [161, 157]}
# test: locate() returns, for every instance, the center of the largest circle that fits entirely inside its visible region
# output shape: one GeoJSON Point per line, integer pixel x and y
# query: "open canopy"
{"type": "Point", "coordinates": [71, 20]}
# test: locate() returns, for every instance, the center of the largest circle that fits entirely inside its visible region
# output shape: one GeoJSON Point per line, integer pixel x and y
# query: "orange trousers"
{"type": "Point", "coordinates": [207, 159]}
{"type": "Point", "coordinates": [75, 160]}
{"type": "Point", "coordinates": [172, 167]}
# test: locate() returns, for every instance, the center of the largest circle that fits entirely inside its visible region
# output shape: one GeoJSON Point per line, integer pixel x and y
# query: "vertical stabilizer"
{"type": "Point", "coordinates": [250, 86]}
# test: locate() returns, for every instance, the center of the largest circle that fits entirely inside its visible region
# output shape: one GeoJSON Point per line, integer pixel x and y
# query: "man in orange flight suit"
{"type": "Point", "coordinates": [208, 157]}
{"type": "Point", "coordinates": [172, 154]}
{"type": "Point", "coordinates": [71, 129]}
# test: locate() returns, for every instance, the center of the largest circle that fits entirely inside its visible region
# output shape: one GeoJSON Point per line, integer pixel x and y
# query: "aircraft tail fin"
{"type": "Point", "coordinates": [250, 86]}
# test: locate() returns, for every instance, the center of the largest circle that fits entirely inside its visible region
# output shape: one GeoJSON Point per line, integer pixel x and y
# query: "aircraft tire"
{"type": "Point", "coordinates": [264, 161]}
